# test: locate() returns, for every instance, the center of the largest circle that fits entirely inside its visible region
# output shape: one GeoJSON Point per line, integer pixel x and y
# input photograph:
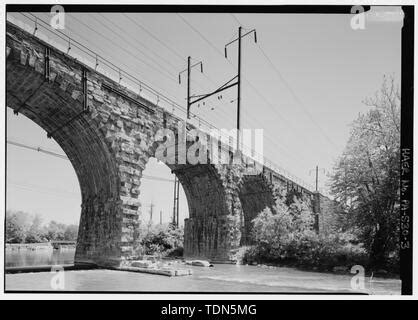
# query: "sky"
{"type": "Point", "coordinates": [303, 84]}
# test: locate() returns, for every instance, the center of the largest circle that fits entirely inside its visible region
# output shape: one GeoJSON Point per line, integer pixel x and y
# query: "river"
{"type": "Point", "coordinates": [222, 278]}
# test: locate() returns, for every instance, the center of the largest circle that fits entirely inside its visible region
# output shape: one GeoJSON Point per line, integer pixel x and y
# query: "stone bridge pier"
{"type": "Point", "coordinates": [109, 133]}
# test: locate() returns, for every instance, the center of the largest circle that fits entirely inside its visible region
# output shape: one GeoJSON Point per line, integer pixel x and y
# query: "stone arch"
{"type": "Point", "coordinates": [256, 193]}
{"type": "Point", "coordinates": [209, 231]}
{"type": "Point", "coordinates": [109, 147]}
{"type": "Point", "coordinates": [50, 106]}
{"type": "Point", "coordinates": [55, 103]}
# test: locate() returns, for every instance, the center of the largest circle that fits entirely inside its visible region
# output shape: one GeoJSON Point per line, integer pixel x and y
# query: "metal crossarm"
{"type": "Point", "coordinates": [245, 34]}
{"type": "Point", "coordinates": [214, 92]}
{"type": "Point", "coordinates": [223, 87]}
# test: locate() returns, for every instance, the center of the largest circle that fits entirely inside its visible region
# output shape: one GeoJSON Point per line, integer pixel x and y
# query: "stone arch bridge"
{"type": "Point", "coordinates": [109, 145]}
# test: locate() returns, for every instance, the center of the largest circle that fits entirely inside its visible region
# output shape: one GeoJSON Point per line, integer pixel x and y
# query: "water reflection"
{"type": "Point", "coordinates": [46, 256]}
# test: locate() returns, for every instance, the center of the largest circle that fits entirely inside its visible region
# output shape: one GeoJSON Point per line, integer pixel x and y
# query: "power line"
{"type": "Point", "coordinates": [110, 64]}
{"type": "Point", "coordinates": [284, 120]}
{"type": "Point", "coordinates": [129, 52]}
{"type": "Point", "coordinates": [57, 155]}
{"type": "Point", "coordinates": [136, 42]}
{"type": "Point", "coordinates": [39, 149]}
{"type": "Point", "coordinates": [244, 110]}
{"type": "Point", "coordinates": [176, 53]}
{"type": "Point", "coordinates": [91, 53]}
{"type": "Point", "coordinates": [171, 102]}
{"type": "Point", "coordinates": [102, 60]}
{"type": "Point", "coordinates": [39, 189]}
{"type": "Point", "coordinates": [154, 37]}
{"type": "Point", "coordinates": [297, 99]}
{"type": "Point", "coordinates": [292, 92]}
{"type": "Point", "coordinates": [121, 47]}
{"type": "Point", "coordinates": [113, 66]}
{"type": "Point", "coordinates": [267, 161]}
{"type": "Point", "coordinates": [29, 185]}
{"type": "Point", "coordinates": [121, 36]}
{"type": "Point", "coordinates": [216, 49]}
{"type": "Point", "coordinates": [123, 64]}
{"type": "Point", "coordinates": [204, 38]}
{"type": "Point", "coordinates": [198, 32]}
{"type": "Point", "coordinates": [250, 84]}
{"type": "Point", "coordinates": [236, 19]}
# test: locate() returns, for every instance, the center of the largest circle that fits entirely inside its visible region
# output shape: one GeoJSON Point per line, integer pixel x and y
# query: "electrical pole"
{"type": "Point", "coordinates": [176, 202]}
{"type": "Point", "coordinates": [151, 209]}
{"type": "Point", "coordinates": [317, 176]}
{"type": "Point", "coordinates": [161, 217]}
{"type": "Point", "coordinates": [188, 88]}
{"type": "Point", "coordinates": [189, 70]}
{"type": "Point", "coordinates": [226, 86]}
{"type": "Point", "coordinates": [240, 36]}
{"type": "Point", "coordinates": [239, 88]}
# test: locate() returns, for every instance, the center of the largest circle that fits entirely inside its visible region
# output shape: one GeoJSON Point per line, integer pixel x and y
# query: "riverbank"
{"type": "Point", "coordinates": [28, 246]}
{"type": "Point", "coordinates": [37, 246]}
{"type": "Point", "coordinates": [342, 263]}
{"type": "Point", "coordinates": [338, 270]}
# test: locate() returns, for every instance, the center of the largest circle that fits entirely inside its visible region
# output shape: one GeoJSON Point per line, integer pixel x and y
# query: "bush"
{"type": "Point", "coordinates": [176, 252]}
{"type": "Point", "coordinates": [323, 252]}
{"type": "Point", "coordinates": [284, 236]}
{"type": "Point", "coordinates": [308, 251]}
{"type": "Point", "coordinates": [162, 240]}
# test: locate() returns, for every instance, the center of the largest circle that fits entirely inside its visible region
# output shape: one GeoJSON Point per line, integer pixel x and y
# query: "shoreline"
{"type": "Point", "coordinates": [36, 246]}
{"type": "Point", "coordinates": [368, 274]}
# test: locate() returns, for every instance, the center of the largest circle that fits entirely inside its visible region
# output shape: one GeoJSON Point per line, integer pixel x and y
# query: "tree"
{"type": "Point", "coordinates": [17, 226]}
{"type": "Point", "coordinates": [22, 227]}
{"type": "Point", "coordinates": [71, 232]}
{"type": "Point", "coordinates": [272, 227]}
{"type": "Point", "coordinates": [55, 231]}
{"type": "Point", "coordinates": [35, 233]}
{"type": "Point", "coordinates": [302, 216]}
{"type": "Point", "coordinates": [366, 177]}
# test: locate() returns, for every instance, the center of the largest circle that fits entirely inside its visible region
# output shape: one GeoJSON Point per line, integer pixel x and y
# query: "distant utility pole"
{"type": "Point", "coordinates": [176, 202]}
{"type": "Point", "coordinates": [316, 176]}
{"type": "Point", "coordinates": [227, 85]}
{"type": "Point", "coordinates": [161, 217]}
{"type": "Point", "coordinates": [151, 209]}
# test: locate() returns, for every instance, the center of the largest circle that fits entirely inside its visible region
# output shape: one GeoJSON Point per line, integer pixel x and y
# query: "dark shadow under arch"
{"type": "Point", "coordinates": [255, 195]}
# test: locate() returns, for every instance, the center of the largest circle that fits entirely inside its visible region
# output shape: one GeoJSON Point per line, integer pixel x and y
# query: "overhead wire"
{"type": "Point", "coordinates": [254, 89]}
{"type": "Point", "coordinates": [290, 89]}
{"type": "Point", "coordinates": [64, 157]}
{"type": "Point", "coordinates": [284, 120]}
{"type": "Point", "coordinates": [169, 100]}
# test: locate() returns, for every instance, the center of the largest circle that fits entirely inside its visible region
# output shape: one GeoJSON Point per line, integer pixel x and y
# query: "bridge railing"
{"type": "Point", "coordinates": [100, 64]}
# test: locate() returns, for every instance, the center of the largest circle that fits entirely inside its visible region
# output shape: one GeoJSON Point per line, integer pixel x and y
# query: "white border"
{"type": "Point", "coordinates": [255, 297]}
